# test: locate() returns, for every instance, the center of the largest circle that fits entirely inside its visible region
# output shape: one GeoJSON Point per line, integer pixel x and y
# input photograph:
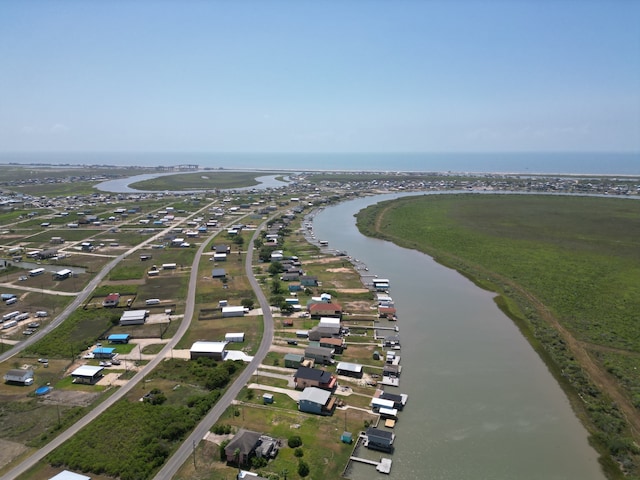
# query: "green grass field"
{"type": "Point", "coordinates": [567, 270]}
{"type": "Point", "coordinates": [209, 180]}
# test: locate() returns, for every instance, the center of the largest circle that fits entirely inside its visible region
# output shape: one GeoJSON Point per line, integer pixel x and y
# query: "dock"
{"type": "Point", "coordinates": [383, 466]}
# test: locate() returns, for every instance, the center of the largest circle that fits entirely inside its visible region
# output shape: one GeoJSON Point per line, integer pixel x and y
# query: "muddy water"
{"type": "Point", "coordinates": [482, 405]}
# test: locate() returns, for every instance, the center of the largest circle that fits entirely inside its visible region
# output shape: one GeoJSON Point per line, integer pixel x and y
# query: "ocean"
{"type": "Point", "coordinates": [593, 163]}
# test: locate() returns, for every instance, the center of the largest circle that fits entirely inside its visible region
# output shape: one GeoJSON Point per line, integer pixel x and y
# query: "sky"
{"type": "Point", "coordinates": [320, 76]}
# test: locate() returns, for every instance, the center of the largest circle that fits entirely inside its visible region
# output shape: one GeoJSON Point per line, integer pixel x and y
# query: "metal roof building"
{"type": "Point", "coordinates": [67, 475]}
{"type": "Point", "coordinates": [133, 317]}
{"type": "Point", "coordinates": [216, 350]}
{"type": "Point", "coordinates": [87, 374]}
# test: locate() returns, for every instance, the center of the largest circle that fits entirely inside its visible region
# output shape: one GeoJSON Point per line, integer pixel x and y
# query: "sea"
{"type": "Point", "coordinates": [587, 163]}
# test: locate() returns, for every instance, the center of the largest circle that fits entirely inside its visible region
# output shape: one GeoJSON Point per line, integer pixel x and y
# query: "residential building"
{"type": "Point", "coordinates": [314, 377]}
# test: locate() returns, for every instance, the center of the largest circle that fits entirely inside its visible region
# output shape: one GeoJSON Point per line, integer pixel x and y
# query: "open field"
{"type": "Point", "coordinates": [566, 270]}
{"type": "Point", "coordinates": [205, 180]}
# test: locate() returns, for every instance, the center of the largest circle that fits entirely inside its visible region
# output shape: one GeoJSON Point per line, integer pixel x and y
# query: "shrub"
{"type": "Point", "coordinates": [294, 441]}
{"type": "Point", "coordinates": [303, 468]}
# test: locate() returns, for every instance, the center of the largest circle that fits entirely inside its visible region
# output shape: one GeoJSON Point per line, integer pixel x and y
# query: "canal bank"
{"type": "Point", "coordinates": [483, 404]}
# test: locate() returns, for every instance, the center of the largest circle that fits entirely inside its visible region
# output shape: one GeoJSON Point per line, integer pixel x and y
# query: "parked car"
{"type": "Point", "coordinates": [292, 342]}
{"type": "Point", "coordinates": [43, 360]}
{"type": "Point", "coordinates": [33, 325]}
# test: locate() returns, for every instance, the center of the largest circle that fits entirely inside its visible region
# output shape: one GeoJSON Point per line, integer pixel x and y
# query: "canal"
{"type": "Point", "coordinates": [482, 405]}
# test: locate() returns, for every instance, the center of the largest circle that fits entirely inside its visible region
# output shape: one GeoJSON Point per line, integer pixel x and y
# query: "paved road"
{"type": "Point", "coordinates": [122, 391]}
{"type": "Point", "coordinates": [186, 449]}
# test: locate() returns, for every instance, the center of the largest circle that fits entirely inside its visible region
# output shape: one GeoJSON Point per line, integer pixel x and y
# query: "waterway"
{"type": "Point", "coordinates": [121, 185]}
{"type": "Point", "coordinates": [482, 405]}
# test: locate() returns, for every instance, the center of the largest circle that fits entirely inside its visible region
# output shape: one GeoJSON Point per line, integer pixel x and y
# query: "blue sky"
{"type": "Point", "coordinates": [320, 76]}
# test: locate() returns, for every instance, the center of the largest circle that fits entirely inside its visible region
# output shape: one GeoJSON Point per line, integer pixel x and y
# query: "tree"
{"type": "Point", "coordinates": [275, 268]}
{"type": "Point", "coordinates": [294, 441]}
{"type": "Point", "coordinates": [247, 303]}
{"type": "Point", "coordinates": [303, 468]}
{"type": "Point", "coordinates": [223, 445]}
{"type": "Point", "coordinates": [286, 308]}
{"type": "Point", "coordinates": [276, 286]}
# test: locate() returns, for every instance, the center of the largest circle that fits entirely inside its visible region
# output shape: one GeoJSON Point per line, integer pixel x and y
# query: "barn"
{"type": "Point", "coordinates": [215, 350]}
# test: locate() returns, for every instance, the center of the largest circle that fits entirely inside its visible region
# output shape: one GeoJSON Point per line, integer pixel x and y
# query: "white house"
{"type": "Point", "coordinates": [18, 375]}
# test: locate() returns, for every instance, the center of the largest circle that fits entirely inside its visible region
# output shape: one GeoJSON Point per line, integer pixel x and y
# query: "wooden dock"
{"type": "Point", "coordinates": [383, 466]}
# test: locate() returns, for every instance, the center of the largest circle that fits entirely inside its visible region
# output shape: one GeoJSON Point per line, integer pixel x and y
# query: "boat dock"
{"type": "Point", "coordinates": [383, 466]}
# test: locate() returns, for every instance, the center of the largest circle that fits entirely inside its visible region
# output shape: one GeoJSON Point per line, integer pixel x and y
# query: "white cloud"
{"type": "Point", "coordinates": [59, 128]}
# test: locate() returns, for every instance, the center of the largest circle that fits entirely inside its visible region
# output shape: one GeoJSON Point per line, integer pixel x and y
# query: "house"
{"type": "Point", "coordinates": [337, 344]}
{"type": "Point", "coordinates": [399, 401]}
{"type": "Point", "coordinates": [87, 374]}
{"type": "Point", "coordinates": [226, 249]}
{"type": "Point", "coordinates": [219, 257]}
{"type": "Point", "coordinates": [290, 276]}
{"type": "Point", "coordinates": [242, 447]}
{"type": "Point", "coordinates": [233, 311]}
{"type": "Point", "coordinates": [391, 370]}
{"type": "Point", "coordinates": [314, 377]}
{"type": "Point", "coordinates": [19, 376]}
{"type": "Point", "coordinates": [315, 400]}
{"type": "Point", "coordinates": [48, 253]}
{"type": "Point", "coordinates": [111, 300]}
{"type": "Point", "coordinates": [319, 354]}
{"type": "Point", "coordinates": [246, 444]}
{"type": "Point", "coordinates": [215, 350]}
{"type": "Point", "coordinates": [322, 309]}
{"type": "Point", "coordinates": [134, 317]}
{"type": "Point", "coordinates": [350, 369]}
{"type": "Point", "coordinates": [218, 273]}
{"type": "Point", "coordinates": [293, 360]}
{"type": "Point", "coordinates": [317, 332]}
{"type": "Point", "coordinates": [377, 439]}
{"type": "Point", "coordinates": [386, 312]}
{"type": "Point", "coordinates": [119, 338]}
{"type": "Point", "coordinates": [308, 281]}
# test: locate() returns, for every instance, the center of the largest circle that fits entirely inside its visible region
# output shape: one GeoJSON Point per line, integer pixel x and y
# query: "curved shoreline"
{"type": "Point", "coordinates": [514, 300]}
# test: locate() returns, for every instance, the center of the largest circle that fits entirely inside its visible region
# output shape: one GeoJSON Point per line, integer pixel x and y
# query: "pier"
{"type": "Point", "coordinates": [383, 466]}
